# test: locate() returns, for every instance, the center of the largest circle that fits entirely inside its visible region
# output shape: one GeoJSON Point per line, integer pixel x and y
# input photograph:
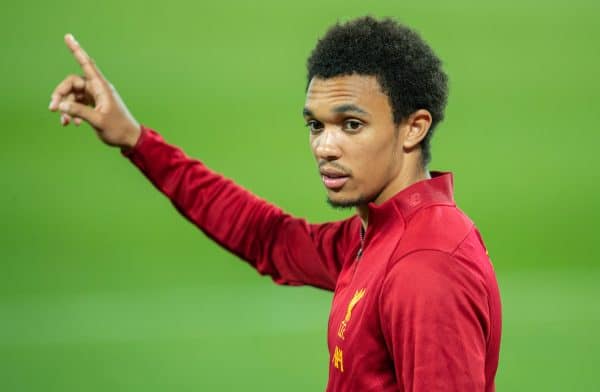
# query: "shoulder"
{"type": "Point", "coordinates": [440, 251]}
{"type": "Point", "coordinates": [441, 242]}
{"type": "Point", "coordinates": [342, 236]}
{"type": "Point", "coordinates": [431, 272]}
{"type": "Point", "coordinates": [438, 227]}
{"type": "Point", "coordinates": [431, 284]}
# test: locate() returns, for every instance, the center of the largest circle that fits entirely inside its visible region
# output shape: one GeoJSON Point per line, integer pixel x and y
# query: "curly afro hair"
{"type": "Point", "coordinates": [406, 67]}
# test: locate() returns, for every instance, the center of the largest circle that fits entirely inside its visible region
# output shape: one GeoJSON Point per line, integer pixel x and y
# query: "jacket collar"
{"type": "Point", "coordinates": [438, 190]}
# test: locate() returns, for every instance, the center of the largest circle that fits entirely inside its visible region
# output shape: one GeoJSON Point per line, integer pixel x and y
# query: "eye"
{"type": "Point", "coordinates": [314, 126]}
{"type": "Point", "coordinates": [353, 125]}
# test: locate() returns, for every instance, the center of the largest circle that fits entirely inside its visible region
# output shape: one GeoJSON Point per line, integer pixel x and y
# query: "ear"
{"type": "Point", "coordinates": [417, 125]}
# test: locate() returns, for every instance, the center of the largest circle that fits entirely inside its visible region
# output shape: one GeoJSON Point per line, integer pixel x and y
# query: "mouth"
{"type": "Point", "coordinates": [334, 180]}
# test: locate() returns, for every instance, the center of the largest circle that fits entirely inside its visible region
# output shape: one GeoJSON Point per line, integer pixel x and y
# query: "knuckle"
{"type": "Point", "coordinates": [64, 86]}
{"type": "Point", "coordinates": [69, 80]}
{"type": "Point", "coordinates": [73, 109]}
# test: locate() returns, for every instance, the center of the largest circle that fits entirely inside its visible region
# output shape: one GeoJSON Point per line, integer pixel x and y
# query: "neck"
{"type": "Point", "coordinates": [405, 178]}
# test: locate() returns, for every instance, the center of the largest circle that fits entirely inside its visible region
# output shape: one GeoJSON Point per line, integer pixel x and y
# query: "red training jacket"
{"type": "Point", "coordinates": [416, 306]}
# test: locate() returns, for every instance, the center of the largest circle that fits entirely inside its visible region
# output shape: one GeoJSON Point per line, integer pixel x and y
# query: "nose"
{"type": "Point", "coordinates": [326, 145]}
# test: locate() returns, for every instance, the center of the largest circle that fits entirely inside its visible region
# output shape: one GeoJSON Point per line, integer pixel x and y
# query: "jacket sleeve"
{"type": "Point", "coordinates": [435, 320]}
{"type": "Point", "coordinates": [290, 250]}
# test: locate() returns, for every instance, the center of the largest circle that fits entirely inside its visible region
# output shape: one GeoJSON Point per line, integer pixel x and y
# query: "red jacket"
{"type": "Point", "coordinates": [416, 305]}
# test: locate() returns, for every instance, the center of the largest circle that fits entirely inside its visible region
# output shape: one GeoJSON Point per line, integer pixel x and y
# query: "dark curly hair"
{"type": "Point", "coordinates": [406, 67]}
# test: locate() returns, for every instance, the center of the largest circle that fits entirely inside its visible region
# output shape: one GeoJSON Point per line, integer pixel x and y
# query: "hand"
{"type": "Point", "coordinates": [92, 98]}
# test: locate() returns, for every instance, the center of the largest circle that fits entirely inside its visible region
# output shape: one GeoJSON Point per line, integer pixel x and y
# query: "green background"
{"type": "Point", "coordinates": [103, 286]}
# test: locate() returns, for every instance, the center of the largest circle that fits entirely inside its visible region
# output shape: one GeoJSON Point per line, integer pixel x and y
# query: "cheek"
{"type": "Point", "coordinates": [314, 145]}
{"type": "Point", "coordinates": [312, 140]}
{"type": "Point", "coordinates": [375, 160]}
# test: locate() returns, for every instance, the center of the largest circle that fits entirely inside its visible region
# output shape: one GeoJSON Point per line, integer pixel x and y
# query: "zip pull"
{"type": "Point", "coordinates": [359, 253]}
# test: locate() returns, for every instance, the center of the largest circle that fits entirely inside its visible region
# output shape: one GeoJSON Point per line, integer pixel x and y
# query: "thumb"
{"type": "Point", "coordinates": [84, 112]}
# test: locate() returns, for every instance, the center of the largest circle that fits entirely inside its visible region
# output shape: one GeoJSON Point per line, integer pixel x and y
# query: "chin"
{"type": "Point", "coordinates": [338, 201]}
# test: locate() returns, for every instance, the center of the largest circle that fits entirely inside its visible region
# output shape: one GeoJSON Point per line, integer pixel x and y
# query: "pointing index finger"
{"type": "Point", "coordinates": [87, 64]}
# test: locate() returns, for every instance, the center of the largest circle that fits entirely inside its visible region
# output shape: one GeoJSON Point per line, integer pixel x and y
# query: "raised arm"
{"type": "Point", "coordinates": [288, 249]}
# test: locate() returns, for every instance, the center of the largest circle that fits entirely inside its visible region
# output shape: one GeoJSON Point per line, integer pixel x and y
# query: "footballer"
{"type": "Point", "coordinates": [416, 305]}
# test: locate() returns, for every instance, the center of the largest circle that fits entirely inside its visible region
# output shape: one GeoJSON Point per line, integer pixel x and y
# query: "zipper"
{"type": "Point", "coordinates": [362, 243]}
{"type": "Point", "coordinates": [360, 252]}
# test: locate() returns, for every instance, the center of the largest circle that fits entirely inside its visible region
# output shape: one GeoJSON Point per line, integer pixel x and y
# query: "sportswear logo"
{"type": "Point", "coordinates": [358, 295]}
{"type": "Point", "coordinates": [414, 199]}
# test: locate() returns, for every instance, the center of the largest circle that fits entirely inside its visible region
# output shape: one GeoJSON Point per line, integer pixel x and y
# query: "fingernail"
{"type": "Point", "coordinates": [64, 106]}
{"type": "Point", "coordinates": [50, 105]}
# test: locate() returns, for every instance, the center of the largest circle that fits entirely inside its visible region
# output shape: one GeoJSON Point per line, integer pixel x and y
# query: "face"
{"type": "Point", "coordinates": [354, 139]}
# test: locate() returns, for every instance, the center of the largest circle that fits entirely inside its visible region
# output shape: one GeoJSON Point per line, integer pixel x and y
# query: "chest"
{"type": "Point", "coordinates": [355, 339]}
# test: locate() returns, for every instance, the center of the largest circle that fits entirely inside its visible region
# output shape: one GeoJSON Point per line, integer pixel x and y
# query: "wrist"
{"type": "Point", "coordinates": [132, 137]}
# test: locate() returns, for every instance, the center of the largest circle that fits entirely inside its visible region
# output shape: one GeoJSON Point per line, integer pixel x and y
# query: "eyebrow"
{"type": "Point", "coordinates": [348, 108]}
{"type": "Point", "coordinates": [338, 109]}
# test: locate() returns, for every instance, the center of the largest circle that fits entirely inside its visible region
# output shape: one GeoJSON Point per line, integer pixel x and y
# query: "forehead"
{"type": "Point", "coordinates": [360, 90]}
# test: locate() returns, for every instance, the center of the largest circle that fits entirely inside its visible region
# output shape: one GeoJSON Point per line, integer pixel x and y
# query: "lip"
{"type": "Point", "coordinates": [334, 183]}
{"type": "Point", "coordinates": [332, 173]}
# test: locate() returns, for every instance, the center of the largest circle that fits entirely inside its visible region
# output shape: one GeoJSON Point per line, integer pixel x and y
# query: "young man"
{"type": "Point", "coordinates": [416, 305]}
